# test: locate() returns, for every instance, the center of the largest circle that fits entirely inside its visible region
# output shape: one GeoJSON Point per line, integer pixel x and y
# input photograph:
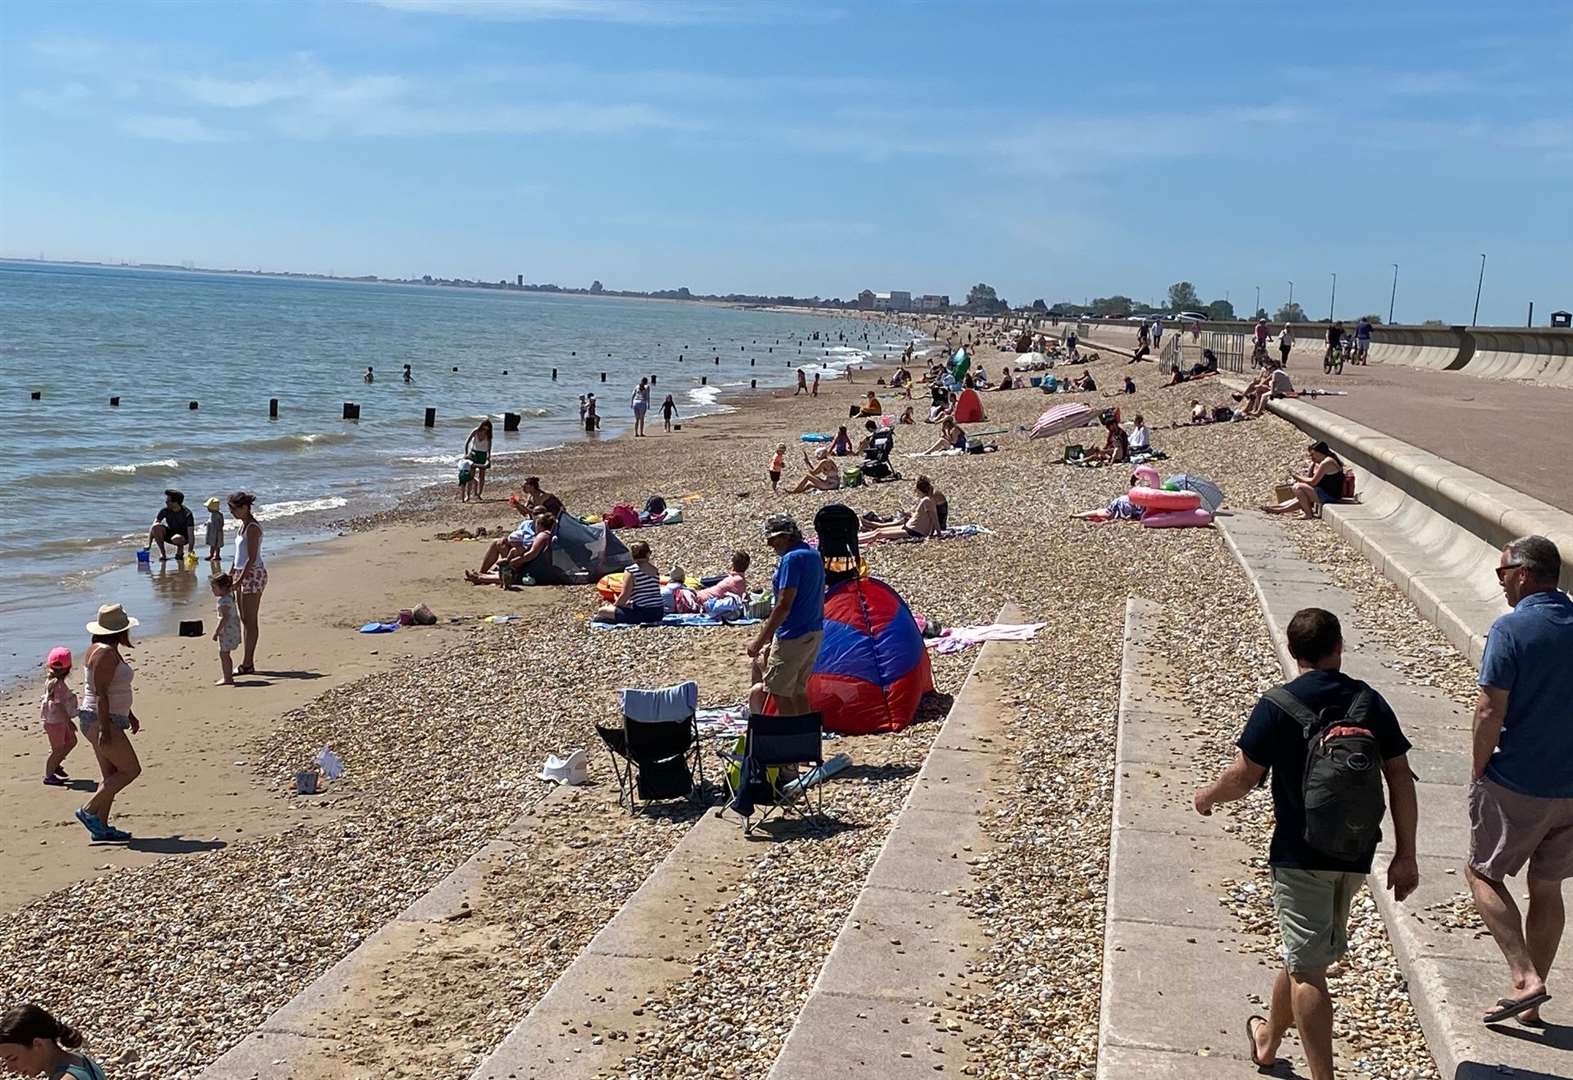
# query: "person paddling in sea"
{"type": "Point", "coordinates": [107, 719]}
{"type": "Point", "coordinates": [249, 575]}
{"type": "Point", "coordinates": [369, 377]}
{"type": "Point", "coordinates": [478, 451]}
{"type": "Point", "coordinates": [641, 405]}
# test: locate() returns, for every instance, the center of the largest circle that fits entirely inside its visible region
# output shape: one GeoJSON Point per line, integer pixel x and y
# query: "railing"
{"type": "Point", "coordinates": [1228, 347]}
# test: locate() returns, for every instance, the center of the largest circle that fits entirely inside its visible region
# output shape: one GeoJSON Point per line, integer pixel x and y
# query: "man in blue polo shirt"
{"type": "Point", "coordinates": [1521, 798]}
{"type": "Point", "coordinates": [796, 624]}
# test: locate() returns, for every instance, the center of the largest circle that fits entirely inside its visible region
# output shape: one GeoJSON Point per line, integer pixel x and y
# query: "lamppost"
{"type": "Point", "coordinates": [1291, 292]}
{"type": "Point", "coordinates": [1478, 286]}
{"type": "Point", "coordinates": [1332, 300]}
{"type": "Point", "coordinates": [1258, 301]}
{"type": "Point", "coordinates": [1393, 298]}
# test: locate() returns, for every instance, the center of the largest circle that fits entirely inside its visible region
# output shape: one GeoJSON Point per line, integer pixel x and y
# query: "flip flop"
{"type": "Point", "coordinates": [1510, 1007]}
{"type": "Point", "coordinates": [1250, 1044]}
{"type": "Point", "coordinates": [246, 669]}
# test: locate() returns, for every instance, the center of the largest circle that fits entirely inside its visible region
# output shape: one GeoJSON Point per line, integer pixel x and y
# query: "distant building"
{"type": "Point", "coordinates": [519, 281]}
{"type": "Point", "coordinates": [866, 300]}
{"type": "Point", "coordinates": [933, 302]}
{"type": "Point", "coordinates": [894, 300]}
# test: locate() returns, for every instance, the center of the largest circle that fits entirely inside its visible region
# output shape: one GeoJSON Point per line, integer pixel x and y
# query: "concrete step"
{"type": "Point", "coordinates": [878, 1007]}
{"type": "Point", "coordinates": [1453, 976]}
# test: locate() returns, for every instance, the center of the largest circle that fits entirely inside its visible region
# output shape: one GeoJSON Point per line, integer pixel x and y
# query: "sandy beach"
{"type": "Point", "coordinates": [241, 892]}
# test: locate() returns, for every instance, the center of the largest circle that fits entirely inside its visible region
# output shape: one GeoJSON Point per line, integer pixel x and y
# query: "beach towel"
{"type": "Point", "coordinates": [677, 620]}
{"type": "Point", "coordinates": [379, 628]}
{"type": "Point", "coordinates": [956, 638]}
{"type": "Point", "coordinates": [955, 532]}
{"type": "Point", "coordinates": [660, 706]}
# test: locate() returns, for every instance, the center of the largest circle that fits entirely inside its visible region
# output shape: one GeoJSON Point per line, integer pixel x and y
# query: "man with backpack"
{"type": "Point", "coordinates": [1329, 742]}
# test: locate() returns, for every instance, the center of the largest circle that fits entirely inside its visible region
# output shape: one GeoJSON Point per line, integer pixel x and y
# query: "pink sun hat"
{"type": "Point", "coordinates": [59, 659]}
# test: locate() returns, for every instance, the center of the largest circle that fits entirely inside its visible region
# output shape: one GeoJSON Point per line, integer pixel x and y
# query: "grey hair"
{"type": "Point", "coordinates": [1538, 557]}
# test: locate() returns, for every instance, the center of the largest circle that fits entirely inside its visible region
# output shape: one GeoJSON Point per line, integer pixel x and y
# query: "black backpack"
{"type": "Point", "coordinates": [1342, 785]}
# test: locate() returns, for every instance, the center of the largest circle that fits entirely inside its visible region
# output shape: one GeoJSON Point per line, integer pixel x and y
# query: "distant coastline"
{"type": "Point", "coordinates": [682, 294]}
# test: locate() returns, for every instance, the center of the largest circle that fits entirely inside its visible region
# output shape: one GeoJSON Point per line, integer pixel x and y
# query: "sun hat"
{"type": "Point", "coordinates": [59, 659]}
{"type": "Point", "coordinates": [212, 503]}
{"type": "Point", "coordinates": [112, 619]}
{"type": "Point", "coordinates": [781, 525]}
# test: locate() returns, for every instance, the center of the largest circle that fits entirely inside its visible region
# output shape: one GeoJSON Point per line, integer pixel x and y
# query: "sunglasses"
{"type": "Point", "coordinates": [1502, 570]}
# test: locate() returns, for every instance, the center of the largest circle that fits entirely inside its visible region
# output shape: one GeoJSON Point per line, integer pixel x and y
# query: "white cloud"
{"type": "Point", "coordinates": [60, 98]}
{"type": "Point", "coordinates": [183, 129]}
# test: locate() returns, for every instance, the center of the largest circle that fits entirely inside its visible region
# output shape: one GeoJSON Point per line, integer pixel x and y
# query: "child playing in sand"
{"type": "Point", "coordinates": [215, 532]}
{"type": "Point", "coordinates": [227, 633]}
{"type": "Point", "coordinates": [668, 410]}
{"type": "Point", "coordinates": [777, 464]}
{"type": "Point", "coordinates": [466, 480]}
{"type": "Point", "coordinates": [57, 711]}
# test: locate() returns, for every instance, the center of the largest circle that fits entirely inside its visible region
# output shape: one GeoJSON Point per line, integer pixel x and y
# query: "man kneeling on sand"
{"type": "Point", "coordinates": [1319, 735]}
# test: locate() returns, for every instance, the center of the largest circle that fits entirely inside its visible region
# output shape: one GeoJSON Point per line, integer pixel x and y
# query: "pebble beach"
{"type": "Point", "coordinates": [442, 736]}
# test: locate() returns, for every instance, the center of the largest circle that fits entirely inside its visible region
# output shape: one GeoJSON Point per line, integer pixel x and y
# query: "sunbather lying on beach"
{"type": "Point", "coordinates": [823, 473]}
{"type": "Point", "coordinates": [927, 517]}
{"type": "Point", "coordinates": [1121, 508]}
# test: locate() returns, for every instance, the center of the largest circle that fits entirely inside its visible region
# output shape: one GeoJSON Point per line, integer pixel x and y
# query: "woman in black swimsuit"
{"type": "Point", "coordinates": [1323, 484]}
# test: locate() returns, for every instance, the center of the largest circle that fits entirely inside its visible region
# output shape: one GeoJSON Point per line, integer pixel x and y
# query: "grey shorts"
{"type": "Point", "coordinates": [1313, 915]}
{"type": "Point", "coordinates": [1508, 830]}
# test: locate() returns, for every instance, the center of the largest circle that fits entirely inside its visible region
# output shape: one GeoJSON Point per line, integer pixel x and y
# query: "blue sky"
{"type": "Point", "coordinates": [1053, 150]}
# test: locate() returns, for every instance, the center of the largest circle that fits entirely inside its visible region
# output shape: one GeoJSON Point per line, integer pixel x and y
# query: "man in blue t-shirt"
{"type": "Point", "coordinates": [1521, 797]}
{"type": "Point", "coordinates": [790, 637]}
{"type": "Point", "coordinates": [1313, 890]}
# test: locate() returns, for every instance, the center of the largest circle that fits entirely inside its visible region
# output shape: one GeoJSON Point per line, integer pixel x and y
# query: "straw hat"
{"type": "Point", "coordinates": [112, 619]}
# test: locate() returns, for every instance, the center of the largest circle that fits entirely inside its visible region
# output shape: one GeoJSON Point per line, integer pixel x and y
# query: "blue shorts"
{"type": "Point", "coordinates": [637, 616]}
{"type": "Point", "coordinates": [87, 719]}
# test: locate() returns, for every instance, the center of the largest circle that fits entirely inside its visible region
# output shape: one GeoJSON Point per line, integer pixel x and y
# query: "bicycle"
{"type": "Point", "coordinates": [1333, 360]}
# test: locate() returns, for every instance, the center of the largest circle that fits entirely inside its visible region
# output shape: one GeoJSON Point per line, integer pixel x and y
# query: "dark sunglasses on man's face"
{"type": "Point", "coordinates": [1502, 570]}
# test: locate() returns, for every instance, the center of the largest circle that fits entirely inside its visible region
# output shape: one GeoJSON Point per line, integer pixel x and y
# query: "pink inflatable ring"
{"type": "Point", "coordinates": [1159, 500]}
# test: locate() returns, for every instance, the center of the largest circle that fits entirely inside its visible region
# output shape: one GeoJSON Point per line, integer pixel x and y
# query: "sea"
{"type": "Point", "coordinates": [117, 383]}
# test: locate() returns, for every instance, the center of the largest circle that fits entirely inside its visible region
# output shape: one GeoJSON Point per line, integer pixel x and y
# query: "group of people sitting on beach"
{"type": "Point", "coordinates": [646, 596]}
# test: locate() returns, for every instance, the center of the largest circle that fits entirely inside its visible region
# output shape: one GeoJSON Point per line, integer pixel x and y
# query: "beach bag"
{"type": "Point", "coordinates": [1222, 413]}
{"type": "Point", "coordinates": [655, 506]}
{"type": "Point", "coordinates": [1074, 452]}
{"type": "Point", "coordinates": [758, 605]}
{"type": "Point", "coordinates": [852, 476]}
{"type": "Point", "coordinates": [1342, 785]}
{"type": "Point", "coordinates": [622, 516]}
{"type": "Point", "coordinates": [1347, 492]}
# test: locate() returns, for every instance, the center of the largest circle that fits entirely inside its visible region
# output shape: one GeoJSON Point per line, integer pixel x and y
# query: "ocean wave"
{"type": "Point", "coordinates": [100, 475]}
{"type": "Point", "coordinates": [132, 468]}
{"type": "Point", "coordinates": [432, 459]}
{"type": "Point", "coordinates": [296, 442]}
{"type": "Point", "coordinates": [289, 508]}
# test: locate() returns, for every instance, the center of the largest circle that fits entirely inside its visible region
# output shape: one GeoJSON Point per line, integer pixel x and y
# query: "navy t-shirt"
{"type": "Point", "coordinates": [802, 568]}
{"type": "Point", "coordinates": [1273, 739]}
{"type": "Point", "coordinates": [177, 521]}
{"type": "Point", "coordinates": [1529, 653]}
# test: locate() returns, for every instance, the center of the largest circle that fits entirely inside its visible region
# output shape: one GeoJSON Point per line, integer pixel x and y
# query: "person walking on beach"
{"type": "Point", "coordinates": [787, 643]}
{"type": "Point", "coordinates": [478, 451]}
{"type": "Point", "coordinates": [107, 719]}
{"type": "Point", "coordinates": [1521, 794]}
{"type": "Point", "coordinates": [249, 575]}
{"type": "Point", "coordinates": [668, 410]}
{"type": "Point", "coordinates": [227, 632]}
{"type": "Point", "coordinates": [802, 382]}
{"type": "Point", "coordinates": [1327, 819]}
{"type": "Point", "coordinates": [813, 391]}
{"type": "Point", "coordinates": [641, 405]}
{"type": "Point", "coordinates": [214, 537]}
{"type": "Point", "coordinates": [58, 711]}
{"type": "Point", "coordinates": [34, 1043]}
{"type": "Point", "coordinates": [1285, 343]}
{"type": "Point", "coordinates": [172, 525]}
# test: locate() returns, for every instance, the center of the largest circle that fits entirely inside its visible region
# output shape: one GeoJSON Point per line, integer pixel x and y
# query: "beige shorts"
{"type": "Point", "coordinates": [791, 663]}
{"type": "Point", "coordinates": [1507, 830]}
{"type": "Point", "coordinates": [1313, 915]}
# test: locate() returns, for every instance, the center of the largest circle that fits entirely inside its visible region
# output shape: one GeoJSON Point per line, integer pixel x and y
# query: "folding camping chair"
{"type": "Point", "coordinates": [876, 459]}
{"type": "Point", "coordinates": [656, 751]}
{"type": "Point", "coordinates": [764, 776]}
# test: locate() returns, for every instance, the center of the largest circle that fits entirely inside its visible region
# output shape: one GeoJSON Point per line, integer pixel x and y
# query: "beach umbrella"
{"type": "Point", "coordinates": [1060, 418]}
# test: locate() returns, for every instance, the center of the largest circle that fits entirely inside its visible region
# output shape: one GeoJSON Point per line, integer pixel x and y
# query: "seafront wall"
{"type": "Point", "coordinates": [1532, 354]}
